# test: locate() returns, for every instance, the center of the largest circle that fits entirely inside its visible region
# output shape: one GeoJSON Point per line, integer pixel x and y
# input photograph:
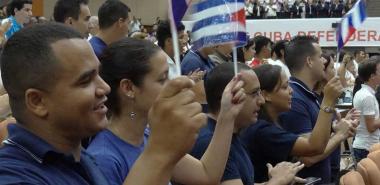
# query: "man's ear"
{"type": "Point", "coordinates": [69, 20]}
{"type": "Point", "coordinates": [36, 102]}
{"type": "Point", "coordinates": [309, 63]}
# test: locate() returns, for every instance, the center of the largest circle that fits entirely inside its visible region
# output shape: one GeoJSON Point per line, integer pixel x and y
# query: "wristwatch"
{"type": "Point", "coordinates": [328, 109]}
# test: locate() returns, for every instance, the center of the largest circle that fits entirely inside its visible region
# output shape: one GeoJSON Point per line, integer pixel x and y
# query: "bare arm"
{"type": "Point", "coordinates": [333, 143]}
{"type": "Point", "coordinates": [316, 143]}
{"type": "Point", "coordinates": [372, 123]}
{"type": "Point", "coordinates": [345, 129]}
{"type": "Point", "coordinates": [210, 168]}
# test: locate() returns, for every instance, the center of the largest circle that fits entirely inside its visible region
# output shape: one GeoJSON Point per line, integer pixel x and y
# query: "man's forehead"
{"type": "Point", "coordinates": [250, 80]}
{"type": "Point", "coordinates": [27, 6]}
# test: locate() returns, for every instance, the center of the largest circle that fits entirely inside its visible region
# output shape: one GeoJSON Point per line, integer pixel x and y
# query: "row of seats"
{"type": "Point", "coordinates": [368, 170]}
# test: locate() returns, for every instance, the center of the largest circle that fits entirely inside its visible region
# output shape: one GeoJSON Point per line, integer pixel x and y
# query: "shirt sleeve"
{"type": "Point", "coordinates": [368, 106]}
{"type": "Point", "coordinates": [189, 65]}
{"type": "Point", "coordinates": [13, 176]}
{"type": "Point", "coordinates": [231, 171]}
{"type": "Point", "coordinates": [111, 168]}
{"type": "Point", "coordinates": [297, 120]}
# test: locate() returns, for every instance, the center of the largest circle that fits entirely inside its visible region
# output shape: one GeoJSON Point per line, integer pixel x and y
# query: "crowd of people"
{"type": "Point", "coordinates": [89, 100]}
{"type": "Point", "coordinates": [286, 9]}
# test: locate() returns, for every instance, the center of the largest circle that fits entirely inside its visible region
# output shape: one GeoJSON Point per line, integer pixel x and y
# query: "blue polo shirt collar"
{"type": "Point", "coordinates": [304, 88]}
{"type": "Point", "coordinates": [38, 149]}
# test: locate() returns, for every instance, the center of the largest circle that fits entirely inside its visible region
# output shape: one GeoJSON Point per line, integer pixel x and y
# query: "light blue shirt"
{"type": "Point", "coordinates": [15, 27]}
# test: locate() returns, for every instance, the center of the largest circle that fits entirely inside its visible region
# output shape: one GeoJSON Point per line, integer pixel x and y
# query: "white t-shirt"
{"type": "Point", "coordinates": [365, 101]}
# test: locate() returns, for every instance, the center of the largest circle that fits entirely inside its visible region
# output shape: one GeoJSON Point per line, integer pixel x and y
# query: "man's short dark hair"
{"type": "Point", "coordinates": [297, 50]}
{"type": "Point", "coordinates": [163, 32]}
{"type": "Point", "coordinates": [261, 42]}
{"type": "Point", "coordinates": [28, 61]}
{"type": "Point", "coordinates": [357, 52]}
{"type": "Point", "coordinates": [64, 9]}
{"type": "Point", "coordinates": [368, 68]}
{"type": "Point", "coordinates": [278, 46]}
{"type": "Point", "coordinates": [18, 4]}
{"type": "Point", "coordinates": [110, 12]}
{"type": "Point", "coordinates": [216, 80]}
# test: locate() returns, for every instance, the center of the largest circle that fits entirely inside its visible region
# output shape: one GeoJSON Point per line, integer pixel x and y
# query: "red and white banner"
{"type": "Point", "coordinates": [279, 29]}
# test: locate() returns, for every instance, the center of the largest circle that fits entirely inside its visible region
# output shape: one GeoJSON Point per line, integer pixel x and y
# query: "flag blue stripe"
{"type": "Point", "coordinates": [218, 19]}
{"type": "Point", "coordinates": [211, 3]}
{"type": "Point", "coordinates": [363, 14]}
{"type": "Point", "coordinates": [240, 38]}
{"type": "Point", "coordinates": [179, 8]}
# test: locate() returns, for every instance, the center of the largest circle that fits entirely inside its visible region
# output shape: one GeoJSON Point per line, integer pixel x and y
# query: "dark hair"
{"type": "Point", "coordinates": [297, 50]}
{"type": "Point", "coordinates": [110, 12]}
{"type": "Point", "coordinates": [163, 32]}
{"type": "Point", "coordinates": [64, 9]}
{"type": "Point", "coordinates": [269, 77]}
{"type": "Point", "coordinates": [240, 51]}
{"type": "Point", "coordinates": [128, 58]}
{"type": "Point", "coordinates": [357, 52]}
{"type": "Point", "coordinates": [278, 46]}
{"type": "Point", "coordinates": [216, 80]}
{"type": "Point", "coordinates": [368, 67]}
{"type": "Point", "coordinates": [18, 4]}
{"type": "Point", "coordinates": [327, 55]}
{"type": "Point", "coordinates": [261, 42]}
{"type": "Point", "coordinates": [357, 85]}
{"type": "Point", "coordinates": [342, 54]}
{"type": "Point", "coordinates": [36, 67]}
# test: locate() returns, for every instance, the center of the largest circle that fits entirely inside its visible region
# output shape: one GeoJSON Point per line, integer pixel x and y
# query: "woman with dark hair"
{"type": "Point", "coordinates": [136, 71]}
{"type": "Point", "coordinates": [247, 52]}
{"type": "Point", "coordinates": [267, 142]}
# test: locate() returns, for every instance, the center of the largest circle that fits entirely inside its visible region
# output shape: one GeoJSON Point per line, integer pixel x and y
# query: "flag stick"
{"type": "Point", "coordinates": [173, 30]}
{"type": "Point", "coordinates": [234, 56]}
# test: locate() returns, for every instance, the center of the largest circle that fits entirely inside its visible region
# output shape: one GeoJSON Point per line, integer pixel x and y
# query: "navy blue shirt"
{"type": "Point", "coordinates": [193, 60]}
{"type": "Point", "coordinates": [98, 45]}
{"type": "Point", "coordinates": [238, 165]}
{"type": "Point", "coordinates": [267, 143]}
{"type": "Point", "coordinates": [115, 156]}
{"type": "Point", "coordinates": [301, 119]}
{"type": "Point", "coordinates": [27, 159]}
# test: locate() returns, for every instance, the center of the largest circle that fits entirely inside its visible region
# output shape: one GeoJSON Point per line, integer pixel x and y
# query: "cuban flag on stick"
{"type": "Point", "coordinates": [350, 23]}
{"type": "Point", "coordinates": [217, 22]}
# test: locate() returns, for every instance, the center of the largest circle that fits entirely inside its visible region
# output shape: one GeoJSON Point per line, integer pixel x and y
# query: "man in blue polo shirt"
{"type": "Point", "coordinates": [239, 169]}
{"type": "Point", "coordinates": [19, 12]}
{"type": "Point", "coordinates": [197, 60]}
{"type": "Point", "coordinates": [303, 57]}
{"type": "Point", "coordinates": [57, 98]}
{"type": "Point", "coordinates": [113, 25]}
